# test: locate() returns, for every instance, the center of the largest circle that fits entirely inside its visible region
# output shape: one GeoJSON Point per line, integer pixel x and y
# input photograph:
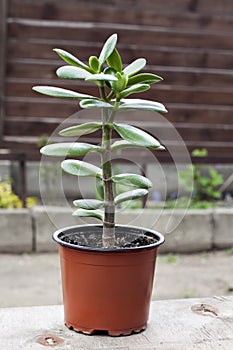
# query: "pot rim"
{"type": "Point", "coordinates": [160, 238]}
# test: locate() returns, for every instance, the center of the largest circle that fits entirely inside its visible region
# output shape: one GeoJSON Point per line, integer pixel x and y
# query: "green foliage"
{"type": "Point", "coordinates": [230, 251]}
{"type": "Point", "coordinates": [132, 180]}
{"type": "Point", "coordinates": [115, 84]}
{"type": "Point", "coordinates": [72, 149]}
{"type": "Point", "coordinates": [136, 136]}
{"type": "Point", "coordinates": [9, 200]}
{"type": "Point", "coordinates": [204, 187]}
{"type": "Point", "coordinates": [184, 202]}
{"type": "Point", "coordinates": [171, 258]}
{"type": "Point", "coordinates": [80, 168]}
{"type": "Point", "coordinates": [82, 129]}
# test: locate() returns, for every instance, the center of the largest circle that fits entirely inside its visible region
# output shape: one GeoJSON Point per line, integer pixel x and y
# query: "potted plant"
{"type": "Point", "coordinates": [107, 269]}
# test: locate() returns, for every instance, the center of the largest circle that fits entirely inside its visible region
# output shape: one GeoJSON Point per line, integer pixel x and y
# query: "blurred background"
{"type": "Point", "coordinates": [187, 42]}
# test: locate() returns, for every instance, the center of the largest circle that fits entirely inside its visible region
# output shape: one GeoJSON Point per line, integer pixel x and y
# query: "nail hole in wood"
{"type": "Point", "coordinates": [205, 309]}
{"type": "Point", "coordinates": [50, 340]}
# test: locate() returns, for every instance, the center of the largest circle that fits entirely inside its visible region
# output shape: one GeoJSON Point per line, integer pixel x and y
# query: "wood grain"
{"type": "Point", "coordinates": [189, 43]}
{"type": "Point", "coordinates": [173, 325]}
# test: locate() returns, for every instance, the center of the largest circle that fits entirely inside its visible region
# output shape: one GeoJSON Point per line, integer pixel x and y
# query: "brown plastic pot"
{"type": "Point", "coordinates": [107, 289]}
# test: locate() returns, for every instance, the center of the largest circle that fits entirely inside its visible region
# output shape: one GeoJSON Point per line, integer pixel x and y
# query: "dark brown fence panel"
{"type": "Point", "coordinates": [189, 43]}
{"type": "Point", "coordinates": [3, 39]}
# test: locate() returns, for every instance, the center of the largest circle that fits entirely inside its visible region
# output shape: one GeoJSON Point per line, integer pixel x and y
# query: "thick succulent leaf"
{"type": "Point", "coordinates": [135, 135]}
{"type": "Point", "coordinates": [134, 89]}
{"type": "Point", "coordinates": [71, 59]}
{"type": "Point", "coordinates": [114, 61]}
{"type": "Point", "coordinates": [122, 144]}
{"type": "Point", "coordinates": [88, 204]}
{"type": "Point", "coordinates": [82, 129]}
{"type": "Point", "coordinates": [94, 63]}
{"type": "Point", "coordinates": [60, 92]}
{"type": "Point", "coordinates": [95, 104]}
{"type": "Point", "coordinates": [110, 71]}
{"type": "Point", "coordinates": [80, 168]}
{"type": "Point", "coordinates": [69, 72]}
{"type": "Point", "coordinates": [72, 149]}
{"type": "Point", "coordinates": [108, 48]}
{"type": "Point", "coordinates": [101, 77]}
{"type": "Point", "coordinates": [132, 180]}
{"type": "Point", "coordinates": [121, 82]}
{"type": "Point", "coordinates": [134, 67]}
{"type": "Point", "coordinates": [140, 104]}
{"type": "Point", "coordinates": [144, 78]}
{"type": "Point", "coordinates": [135, 194]}
{"type": "Point", "coordinates": [98, 214]}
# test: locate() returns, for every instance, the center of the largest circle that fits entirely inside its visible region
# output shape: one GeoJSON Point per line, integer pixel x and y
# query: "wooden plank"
{"type": "Point", "coordinates": [95, 12]}
{"type": "Point", "coordinates": [3, 34]}
{"type": "Point", "coordinates": [163, 92]}
{"type": "Point", "coordinates": [161, 55]}
{"type": "Point", "coordinates": [220, 7]}
{"type": "Point", "coordinates": [147, 35]}
{"type": "Point", "coordinates": [162, 131]}
{"type": "Point", "coordinates": [218, 152]}
{"type": "Point", "coordinates": [41, 68]}
{"type": "Point", "coordinates": [200, 324]}
{"type": "Point", "coordinates": [177, 113]}
{"type": "Point", "coordinates": [92, 10]}
{"type": "Point", "coordinates": [45, 107]}
{"type": "Point", "coordinates": [45, 69]}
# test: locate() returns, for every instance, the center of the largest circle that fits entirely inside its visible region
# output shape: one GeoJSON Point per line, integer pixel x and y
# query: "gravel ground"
{"type": "Point", "coordinates": [34, 279]}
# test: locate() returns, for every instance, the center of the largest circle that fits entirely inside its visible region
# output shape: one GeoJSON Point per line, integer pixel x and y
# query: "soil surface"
{"type": "Point", "coordinates": [34, 279]}
{"type": "Point", "coordinates": [126, 240]}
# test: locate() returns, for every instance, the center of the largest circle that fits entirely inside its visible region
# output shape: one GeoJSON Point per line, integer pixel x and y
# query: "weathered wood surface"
{"type": "Point", "coordinates": [3, 34]}
{"type": "Point", "coordinates": [189, 43]}
{"type": "Point", "coordinates": [200, 324]}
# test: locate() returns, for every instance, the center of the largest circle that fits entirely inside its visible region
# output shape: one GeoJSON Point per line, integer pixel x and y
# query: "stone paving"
{"type": "Point", "coordinates": [34, 279]}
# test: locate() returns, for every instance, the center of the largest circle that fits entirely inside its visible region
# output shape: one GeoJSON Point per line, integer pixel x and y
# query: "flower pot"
{"type": "Point", "coordinates": [107, 289]}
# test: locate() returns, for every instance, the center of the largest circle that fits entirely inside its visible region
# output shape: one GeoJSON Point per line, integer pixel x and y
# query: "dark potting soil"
{"type": "Point", "coordinates": [123, 240]}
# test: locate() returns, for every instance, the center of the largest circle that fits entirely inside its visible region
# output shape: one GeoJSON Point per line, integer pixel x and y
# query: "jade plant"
{"type": "Point", "coordinates": [114, 84]}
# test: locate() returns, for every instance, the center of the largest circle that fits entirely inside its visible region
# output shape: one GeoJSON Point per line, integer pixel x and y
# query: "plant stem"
{"type": "Point", "coordinates": [109, 212]}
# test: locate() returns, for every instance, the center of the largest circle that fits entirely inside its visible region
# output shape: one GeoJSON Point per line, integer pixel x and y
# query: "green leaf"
{"type": "Point", "coordinates": [101, 77]}
{"type": "Point", "coordinates": [112, 72]}
{"type": "Point", "coordinates": [135, 194]}
{"type": "Point", "coordinates": [108, 48]}
{"type": "Point", "coordinates": [68, 72]}
{"type": "Point", "coordinates": [216, 194]}
{"type": "Point", "coordinates": [144, 78]}
{"type": "Point", "coordinates": [69, 58]}
{"type": "Point", "coordinates": [95, 104]}
{"type": "Point", "coordinates": [146, 105]}
{"type": "Point", "coordinates": [121, 82]}
{"type": "Point", "coordinates": [88, 204]}
{"type": "Point", "coordinates": [132, 180]}
{"type": "Point", "coordinates": [114, 61]}
{"type": "Point", "coordinates": [59, 92]}
{"type": "Point", "coordinates": [135, 66]}
{"type": "Point", "coordinates": [94, 63]}
{"type": "Point", "coordinates": [200, 152]}
{"type": "Point", "coordinates": [72, 149]}
{"type": "Point", "coordinates": [122, 144]}
{"type": "Point", "coordinates": [99, 190]}
{"type": "Point", "coordinates": [216, 177]}
{"type": "Point", "coordinates": [135, 135]}
{"type": "Point", "coordinates": [80, 168]}
{"type": "Point", "coordinates": [82, 129]}
{"type": "Point", "coordinates": [134, 89]}
{"type": "Point", "coordinates": [98, 214]}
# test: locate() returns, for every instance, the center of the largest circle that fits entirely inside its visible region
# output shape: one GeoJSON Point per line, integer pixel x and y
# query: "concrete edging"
{"type": "Point", "coordinates": [25, 230]}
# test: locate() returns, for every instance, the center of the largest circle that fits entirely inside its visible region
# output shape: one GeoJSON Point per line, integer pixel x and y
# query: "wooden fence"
{"type": "Point", "coordinates": [188, 42]}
